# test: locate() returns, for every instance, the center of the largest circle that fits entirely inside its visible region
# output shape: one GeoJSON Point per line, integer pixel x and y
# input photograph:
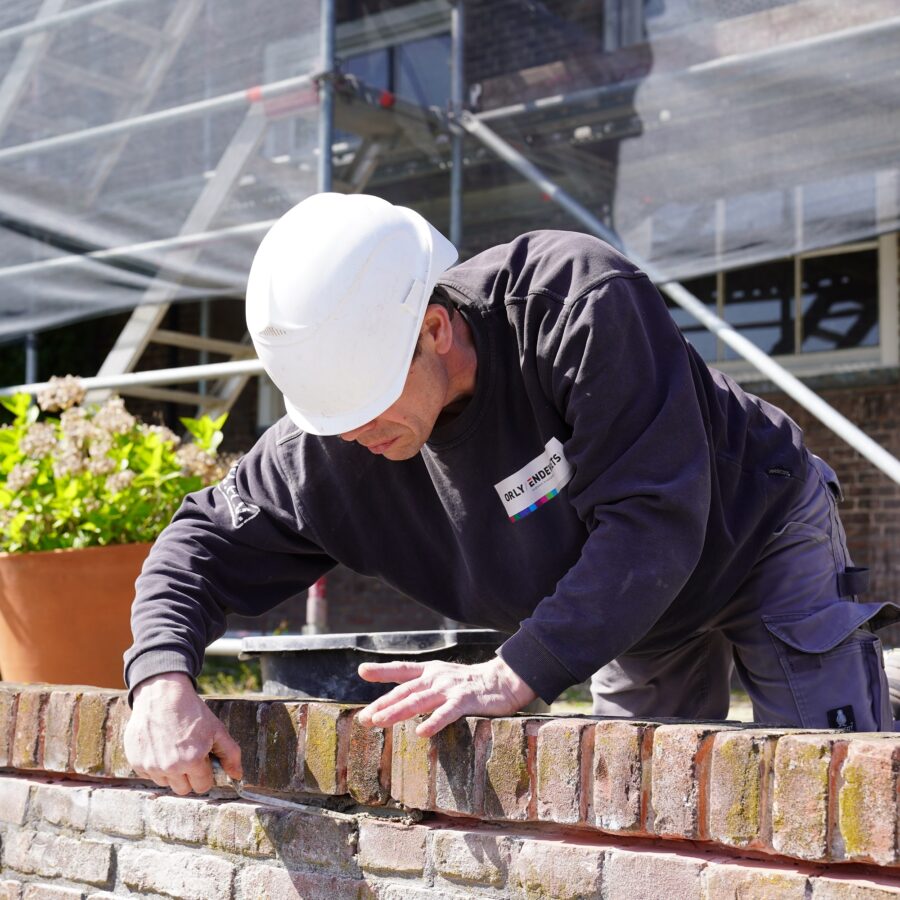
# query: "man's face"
{"type": "Point", "coordinates": [401, 430]}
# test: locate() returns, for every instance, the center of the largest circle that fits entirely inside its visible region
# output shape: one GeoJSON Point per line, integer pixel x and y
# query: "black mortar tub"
{"type": "Point", "coordinates": [323, 666]}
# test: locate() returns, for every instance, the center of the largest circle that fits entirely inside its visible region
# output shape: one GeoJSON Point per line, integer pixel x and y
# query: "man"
{"type": "Point", "coordinates": [524, 442]}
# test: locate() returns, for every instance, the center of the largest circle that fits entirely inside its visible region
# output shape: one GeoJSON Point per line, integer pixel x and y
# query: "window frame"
{"type": "Point", "coordinates": [886, 354]}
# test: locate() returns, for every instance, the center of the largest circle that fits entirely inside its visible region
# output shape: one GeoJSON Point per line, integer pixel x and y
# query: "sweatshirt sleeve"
{"type": "Point", "coordinates": [619, 373]}
{"type": "Point", "coordinates": [240, 546]}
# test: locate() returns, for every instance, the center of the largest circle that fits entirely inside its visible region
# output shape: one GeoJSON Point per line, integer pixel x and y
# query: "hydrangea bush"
{"type": "Point", "coordinates": [95, 475]}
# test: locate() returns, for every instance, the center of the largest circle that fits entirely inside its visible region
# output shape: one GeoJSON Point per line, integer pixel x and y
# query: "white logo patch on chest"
{"type": "Point", "coordinates": [534, 484]}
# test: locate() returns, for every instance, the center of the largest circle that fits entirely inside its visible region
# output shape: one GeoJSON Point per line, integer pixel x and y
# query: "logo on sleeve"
{"type": "Point", "coordinates": [535, 484]}
{"type": "Point", "coordinates": [241, 511]}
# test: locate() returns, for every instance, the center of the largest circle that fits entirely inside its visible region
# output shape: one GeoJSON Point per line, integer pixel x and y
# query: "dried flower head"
{"type": "Point", "coordinates": [195, 461]}
{"type": "Point", "coordinates": [113, 417]}
{"type": "Point", "coordinates": [20, 476]}
{"type": "Point", "coordinates": [166, 435]}
{"type": "Point", "coordinates": [39, 441]}
{"type": "Point", "coordinates": [101, 465]}
{"type": "Point", "coordinates": [76, 426]}
{"type": "Point", "coordinates": [61, 393]}
{"type": "Point", "coordinates": [119, 481]}
{"type": "Point", "coordinates": [69, 460]}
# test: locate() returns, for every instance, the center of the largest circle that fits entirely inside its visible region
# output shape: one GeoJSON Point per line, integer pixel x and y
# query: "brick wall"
{"type": "Point", "coordinates": [504, 808]}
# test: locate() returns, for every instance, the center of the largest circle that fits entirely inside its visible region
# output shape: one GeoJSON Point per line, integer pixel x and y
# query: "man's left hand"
{"type": "Point", "coordinates": [446, 690]}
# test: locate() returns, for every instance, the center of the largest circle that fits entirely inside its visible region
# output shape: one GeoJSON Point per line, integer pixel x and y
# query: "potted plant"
{"type": "Point", "coordinates": [83, 494]}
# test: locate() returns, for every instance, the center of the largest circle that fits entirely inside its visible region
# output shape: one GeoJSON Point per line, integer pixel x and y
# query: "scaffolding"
{"type": "Point", "coordinates": [394, 141]}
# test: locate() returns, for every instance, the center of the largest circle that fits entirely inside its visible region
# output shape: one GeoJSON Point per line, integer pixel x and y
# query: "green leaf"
{"type": "Point", "coordinates": [18, 405]}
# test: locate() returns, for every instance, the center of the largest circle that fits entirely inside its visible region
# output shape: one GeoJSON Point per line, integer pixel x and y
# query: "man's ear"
{"type": "Point", "coordinates": [437, 325]}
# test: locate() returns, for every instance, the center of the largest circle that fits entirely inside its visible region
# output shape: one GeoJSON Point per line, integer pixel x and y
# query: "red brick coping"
{"type": "Point", "coordinates": [554, 807]}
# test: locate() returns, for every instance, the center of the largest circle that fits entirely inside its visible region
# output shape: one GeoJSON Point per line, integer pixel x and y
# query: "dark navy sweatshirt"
{"type": "Point", "coordinates": [602, 491]}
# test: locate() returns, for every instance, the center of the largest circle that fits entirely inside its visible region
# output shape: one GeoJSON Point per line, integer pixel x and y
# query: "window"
{"type": "Point", "coordinates": [417, 70]}
{"type": "Point", "coordinates": [815, 311]}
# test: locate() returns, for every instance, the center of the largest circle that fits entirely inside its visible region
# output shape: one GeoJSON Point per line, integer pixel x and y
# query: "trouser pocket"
{"type": "Point", "coordinates": [833, 667]}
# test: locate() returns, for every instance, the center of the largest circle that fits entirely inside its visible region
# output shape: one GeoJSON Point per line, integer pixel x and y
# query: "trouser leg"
{"type": "Point", "coordinates": [691, 682]}
{"type": "Point", "coordinates": [803, 651]}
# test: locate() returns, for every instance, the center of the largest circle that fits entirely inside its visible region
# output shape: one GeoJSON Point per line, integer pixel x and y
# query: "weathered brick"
{"type": "Point", "coordinates": [186, 875]}
{"type": "Point", "coordinates": [10, 890]}
{"type": "Point", "coordinates": [457, 754]}
{"type": "Point", "coordinates": [282, 726]}
{"type": "Point", "coordinates": [867, 801]}
{"type": "Point", "coordinates": [14, 794]}
{"type": "Point", "coordinates": [320, 841]}
{"type": "Point", "coordinates": [750, 881]}
{"type": "Point", "coordinates": [560, 776]}
{"type": "Point", "coordinates": [836, 888]}
{"type": "Point", "coordinates": [26, 746]}
{"type": "Point", "coordinates": [244, 829]}
{"type": "Point", "coordinates": [649, 875]}
{"type": "Point", "coordinates": [90, 731]}
{"type": "Point", "coordinates": [740, 767]}
{"type": "Point", "coordinates": [507, 786]}
{"type": "Point", "coordinates": [388, 891]}
{"type": "Point", "coordinates": [51, 892]}
{"type": "Point", "coordinates": [8, 701]}
{"type": "Point", "coordinates": [58, 722]}
{"type": "Point", "coordinates": [260, 882]}
{"type": "Point", "coordinates": [118, 811]}
{"type": "Point", "coordinates": [179, 818]}
{"type": "Point", "coordinates": [472, 857]}
{"type": "Point", "coordinates": [677, 775]}
{"type": "Point", "coordinates": [54, 856]}
{"type": "Point", "coordinates": [115, 762]}
{"type": "Point", "coordinates": [325, 757]}
{"type": "Point", "coordinates": [389, 848]}
{"type": "Point", "coordinates": [412, 766]}
{"type": "Point", "coordinates": [62, 804]}
{"type": "Point", "coordinates": [240, 719]}
{"type": "Point", "coordinates": [800, 795]}
{"type": "Point", "coordinates": [369, 764]}
{"type": "Point", "coordinates": [562, 870]}
{"type": "Point", "coordinates": [619, 774]}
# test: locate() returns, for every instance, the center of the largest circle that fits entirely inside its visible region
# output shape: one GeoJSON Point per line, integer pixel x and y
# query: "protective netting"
{"type": "Point", "coordinates": [709, 135]}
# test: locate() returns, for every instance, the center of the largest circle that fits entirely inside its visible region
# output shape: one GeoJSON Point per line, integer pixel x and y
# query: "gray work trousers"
{"type": "Point", "coordinates": [795, 631]}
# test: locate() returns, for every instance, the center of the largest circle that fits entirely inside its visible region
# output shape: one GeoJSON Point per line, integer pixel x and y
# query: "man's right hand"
{"type": "Point", "coordinates": [171, 734]}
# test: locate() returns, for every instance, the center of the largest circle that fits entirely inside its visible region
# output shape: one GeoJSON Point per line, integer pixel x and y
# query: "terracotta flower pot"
{"type": "Point", "coordinates": [65, 615]}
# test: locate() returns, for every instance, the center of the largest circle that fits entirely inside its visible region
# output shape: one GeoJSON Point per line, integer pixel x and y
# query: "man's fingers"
{"type": "Point", "coordinates": [398, 693]}
{"type": "Point", "coordinates": [200, 777]}
{"type": "Point", "coordinates": [446, 713]}
{"type": "Point", "coordinates": [179, 784]}
{"type": "Point", "coordinates": [416, 704]}
{"type": "Point", "coordinates": [227, 750]}
{"type": "Point", "coordinates": [392, 671]}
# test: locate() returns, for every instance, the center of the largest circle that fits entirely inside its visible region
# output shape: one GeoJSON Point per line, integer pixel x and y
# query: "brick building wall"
{"type": "Point", "coordinates": [489, 808]}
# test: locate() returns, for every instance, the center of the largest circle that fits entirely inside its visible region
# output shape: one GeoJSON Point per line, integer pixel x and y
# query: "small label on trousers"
{"type": "Point", "coordinates": [842, 717]}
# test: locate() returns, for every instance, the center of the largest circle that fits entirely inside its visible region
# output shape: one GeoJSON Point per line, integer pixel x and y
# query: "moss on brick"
{"type": "Point", "coordinates": [737, 762]}
{"type": "Point", "coordinates": [27, 737]}
{"type": "Point", "coordinates": [507, 781]}
{"type": "Point", "coordinates": [321, 748]}
{"type": "Point", "coordinates": [90, 736]}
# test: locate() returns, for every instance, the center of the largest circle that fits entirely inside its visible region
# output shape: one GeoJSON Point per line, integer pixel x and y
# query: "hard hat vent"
{"type": "Point", "coordinates": [272, 331]}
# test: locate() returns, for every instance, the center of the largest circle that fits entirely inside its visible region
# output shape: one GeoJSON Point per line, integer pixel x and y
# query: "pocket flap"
{"type": "Point", "coordinates": [824, 629]}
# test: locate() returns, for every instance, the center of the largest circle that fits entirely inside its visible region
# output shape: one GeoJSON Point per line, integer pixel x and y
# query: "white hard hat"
{"type": "Point", "coordinates": [335, 300]}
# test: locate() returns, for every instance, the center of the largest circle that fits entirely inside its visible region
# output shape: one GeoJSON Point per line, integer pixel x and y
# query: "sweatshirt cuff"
{"type": "Point", "coordinates": [536, 666]}
{"type": "Point", "coordinates": [156, 662]}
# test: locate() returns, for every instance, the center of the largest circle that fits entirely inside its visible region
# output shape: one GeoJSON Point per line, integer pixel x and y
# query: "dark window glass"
{"type": "Point", "coordinates": [422, 70]}
{"type": "Point", "coordinates": [840, 301]}
{"type": "Point", "coordinates": [759, 303]}
{"type": "Point", "coordinates": [700, 337]}
{"type": "Point", "coordinates": [372, 69]}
